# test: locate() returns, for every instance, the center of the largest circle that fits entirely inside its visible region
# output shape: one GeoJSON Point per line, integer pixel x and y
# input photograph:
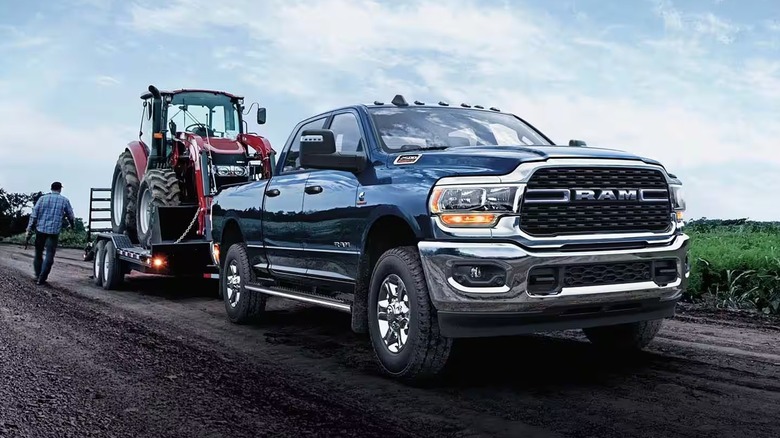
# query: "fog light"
{"type": "Point", "coordinates": [479, 275]}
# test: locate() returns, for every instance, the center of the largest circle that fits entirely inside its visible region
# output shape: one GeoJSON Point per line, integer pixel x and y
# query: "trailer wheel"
{"type": "Point", "coordinates": [242, 305]}
{"type": "Point", "coordinates": [113, 274]}
{"type": "Point", "coordinates": [97, 262]}
{"type": "Point", "coordinates": [403, 327]}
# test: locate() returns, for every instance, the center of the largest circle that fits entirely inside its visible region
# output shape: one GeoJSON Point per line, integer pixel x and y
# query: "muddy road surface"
{"type": "Point", "coordinates": [159, 359]}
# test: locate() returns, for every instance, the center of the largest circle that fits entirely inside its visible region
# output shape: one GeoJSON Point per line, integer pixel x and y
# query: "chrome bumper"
{"type": "Point", "coordinates": [448, 295]}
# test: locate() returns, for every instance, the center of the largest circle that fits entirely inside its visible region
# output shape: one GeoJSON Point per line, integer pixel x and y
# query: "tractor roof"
{"type": "Point", "coordinates": [147, 95]}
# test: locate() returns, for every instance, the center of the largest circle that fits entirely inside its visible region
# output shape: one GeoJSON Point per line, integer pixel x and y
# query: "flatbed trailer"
{"type": "Point", "coordinates": [113, 255]}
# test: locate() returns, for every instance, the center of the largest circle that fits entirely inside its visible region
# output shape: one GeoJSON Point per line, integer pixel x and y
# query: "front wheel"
{"type": "Point", "coordinates": [403, 327]}
{"type": "Point", "coordinates": [624, 337]}
{"type": "Point", "coordinates": [242, 305]}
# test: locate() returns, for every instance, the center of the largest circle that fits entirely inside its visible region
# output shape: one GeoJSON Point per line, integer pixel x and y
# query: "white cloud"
{"type": "Point", "coordinates": [678, 93]}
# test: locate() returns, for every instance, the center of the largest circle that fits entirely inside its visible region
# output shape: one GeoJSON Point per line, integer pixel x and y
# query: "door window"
{"type": "Point", "coordinates": [346, 131]}
{"type": "Point", "coordinates": [291, 161]}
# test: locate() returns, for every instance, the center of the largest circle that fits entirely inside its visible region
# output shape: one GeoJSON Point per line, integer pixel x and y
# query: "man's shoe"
{"type": "Point", "coordinates": [40, 282]}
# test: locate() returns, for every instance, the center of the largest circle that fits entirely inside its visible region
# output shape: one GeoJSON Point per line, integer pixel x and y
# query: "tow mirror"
{"type": "Point", "coordinates": [578, 143]}
{"type": "Point", "coordinates": [261, 116]}
{"type": "Point", "coordinates": [318, 151]}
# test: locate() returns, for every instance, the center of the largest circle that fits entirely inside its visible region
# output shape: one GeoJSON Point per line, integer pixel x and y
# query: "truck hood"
{"type": "Point", "coordinates": [498, 160]}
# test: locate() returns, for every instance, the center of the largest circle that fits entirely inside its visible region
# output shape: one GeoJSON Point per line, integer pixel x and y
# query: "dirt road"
{"type": "Point", "coordinates": [160, 359]}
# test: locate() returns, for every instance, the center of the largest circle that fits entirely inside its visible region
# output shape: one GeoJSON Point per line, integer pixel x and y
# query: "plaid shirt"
{"type": "Point", "coordinates": [48, 212]}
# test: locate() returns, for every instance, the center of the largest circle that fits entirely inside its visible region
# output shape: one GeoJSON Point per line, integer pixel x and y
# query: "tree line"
{"type": "Point", "coordinates": [15, 209]}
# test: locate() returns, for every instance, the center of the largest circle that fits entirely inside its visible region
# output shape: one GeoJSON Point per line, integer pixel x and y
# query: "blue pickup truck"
{"type": "Point", "coordinates": [429, 223]}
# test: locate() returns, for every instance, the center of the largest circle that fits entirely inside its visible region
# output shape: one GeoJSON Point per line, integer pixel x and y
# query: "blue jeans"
{"type": "Point", "coordinates": [41, 264]}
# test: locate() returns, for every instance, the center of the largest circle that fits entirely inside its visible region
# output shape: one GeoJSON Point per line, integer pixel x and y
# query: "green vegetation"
{"type": "Point", "coordinates": [735, 264]}
{"type": "Point", "coordinates": [15, 213]}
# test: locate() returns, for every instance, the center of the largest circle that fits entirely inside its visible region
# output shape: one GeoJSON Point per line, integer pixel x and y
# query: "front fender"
{"type": "Point", "coordinates": [140, 153]}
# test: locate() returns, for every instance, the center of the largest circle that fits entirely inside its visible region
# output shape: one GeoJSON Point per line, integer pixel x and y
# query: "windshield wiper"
{"type": "Point", "coordinates": [414, 147]}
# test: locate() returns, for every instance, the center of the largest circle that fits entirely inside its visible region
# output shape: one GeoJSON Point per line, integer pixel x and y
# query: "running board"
{"type": "Point", "coordinates": [303, 297]}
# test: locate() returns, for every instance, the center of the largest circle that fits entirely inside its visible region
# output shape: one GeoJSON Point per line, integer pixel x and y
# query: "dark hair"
{"type": "Point", "coordinates": [56, 185]}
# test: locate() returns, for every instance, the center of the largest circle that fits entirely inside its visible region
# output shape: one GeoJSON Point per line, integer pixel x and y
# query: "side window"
{"type": "Point", "coordinates": [346, 131]}
{"type": "Point", "coordinates": [291, 162]}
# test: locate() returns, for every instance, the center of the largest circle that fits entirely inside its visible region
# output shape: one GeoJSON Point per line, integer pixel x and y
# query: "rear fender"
{"type": "Point", "coordinates": [140, 154]}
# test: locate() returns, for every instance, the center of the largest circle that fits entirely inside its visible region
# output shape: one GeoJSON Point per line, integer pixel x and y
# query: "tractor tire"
{"type": "Point", "coordinates": [160, 188]}
{"type": "Point", "coordinates": [423, 351]}
{"type": "Point", "coordinates": [124, 196]}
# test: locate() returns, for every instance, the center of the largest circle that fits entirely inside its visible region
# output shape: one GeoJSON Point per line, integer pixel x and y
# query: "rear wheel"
{"type": "Point", "coordinates": [97, 263]}
{"type": "Point", "coordinates": [124, 194]}
{"type": "Point", "coordinates": [242, 305]}
{"type": "Point", "coordinates": [160, 188]}
{"type": "Point", "coordinates": [113, 273]}
{"type": "Point", "coordinates": [403, 327]}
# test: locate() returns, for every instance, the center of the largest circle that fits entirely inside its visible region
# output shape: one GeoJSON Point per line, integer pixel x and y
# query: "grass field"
{"type": "Point", "coordinates": [735, 263]}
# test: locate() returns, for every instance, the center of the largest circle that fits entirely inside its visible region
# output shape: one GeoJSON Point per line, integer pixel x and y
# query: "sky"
{"type": "Point", "coordinates": [693, 84]}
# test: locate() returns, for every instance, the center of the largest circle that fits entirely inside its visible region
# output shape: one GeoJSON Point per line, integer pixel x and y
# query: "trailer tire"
{"type": "Point", "coordinates": [243, 306]}
{"type": "Point", "coordinates": [125, 185]}
{"type": "Point", "coordinates": [113, 274]}
{"type": "Point", "coordinates": [425, 351]}
{"type": "Point", "coordinates": [97, 262]}
{"type": "Point", "coordinates": [160, 188]}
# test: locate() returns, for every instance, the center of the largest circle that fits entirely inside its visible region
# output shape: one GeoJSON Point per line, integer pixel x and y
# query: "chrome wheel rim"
{"type": "Point", "coordinates": [146, 205]}
{"type": "Point", "coordinates": [393, 313]}
{"type": "Point", "coordinates": [118, 199]}
{"type": "Point", "coordinates": [233, 282]}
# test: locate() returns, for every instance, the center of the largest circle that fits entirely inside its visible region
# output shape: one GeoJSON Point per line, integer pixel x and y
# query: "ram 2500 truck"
{"type": "Point", "coordinates": [429, 223]}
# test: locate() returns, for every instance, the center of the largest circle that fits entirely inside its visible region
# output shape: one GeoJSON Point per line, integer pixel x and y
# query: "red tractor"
{"type": "Point", "coordinates": [163, 182]}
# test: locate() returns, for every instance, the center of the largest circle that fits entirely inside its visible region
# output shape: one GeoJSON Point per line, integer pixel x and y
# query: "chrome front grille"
{"type": "Point", "coordinates": [566, 201]}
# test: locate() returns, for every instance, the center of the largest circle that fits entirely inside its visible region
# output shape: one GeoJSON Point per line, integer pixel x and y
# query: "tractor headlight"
{"type": "Point", "coordinates": [230, 170]}
{"type": "Point", "coordinates": [473, 206]}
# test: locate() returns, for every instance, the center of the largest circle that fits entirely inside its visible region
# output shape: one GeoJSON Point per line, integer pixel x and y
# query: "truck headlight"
{"type": "Point", "coordinates": [678, 202]}
{"type": "Point", "coordinates": [473, 206]}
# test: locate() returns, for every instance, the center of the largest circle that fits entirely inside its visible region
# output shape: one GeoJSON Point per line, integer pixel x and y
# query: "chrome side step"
{"type": "Point", "coordinates": [303, 297]}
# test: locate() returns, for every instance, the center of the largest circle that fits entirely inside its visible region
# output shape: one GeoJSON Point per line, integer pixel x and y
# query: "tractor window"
{"type": "Point", "coordinates": [291, 162]}
{"type": "Point", "coordinates": [205, 114]}
{"type": "Point", "coordinates": [146, 124]}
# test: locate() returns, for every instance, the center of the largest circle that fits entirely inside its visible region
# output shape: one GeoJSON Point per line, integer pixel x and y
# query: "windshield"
{"type": "Point", "coordinates": [205, 114]}
{"type": "Point", "coordinates": [419, 128]}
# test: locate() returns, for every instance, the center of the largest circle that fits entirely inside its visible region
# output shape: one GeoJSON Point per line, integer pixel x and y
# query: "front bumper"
{"type": "Point", "coordinates": [516, 305]}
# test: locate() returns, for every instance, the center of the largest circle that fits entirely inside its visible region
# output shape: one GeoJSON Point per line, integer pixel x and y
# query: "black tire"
{"type": "Point", "coordinates": [97, 263]}
{"type": "Point", "coordinates": [630, 337]}
{"type": "Point", "coordinates": [425, 351]}
{"type": "Point", "coordinates": [113, 274]}
{"type": "Point", "coordinates": [249, 305]}
{"type": "Point", "coordinates": [165, 190]}
{"type": "Point", "coordinates": [125, 175]}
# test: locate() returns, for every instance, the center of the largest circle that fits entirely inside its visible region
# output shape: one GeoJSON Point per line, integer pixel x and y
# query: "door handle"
{"type": "Point", "coordinates": [313, 190]}
{"type": "Point", "coordinates": [272, 192]}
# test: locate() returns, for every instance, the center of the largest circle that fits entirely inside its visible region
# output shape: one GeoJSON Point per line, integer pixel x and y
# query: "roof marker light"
{"type": "Point", "coordinates": [444, 104]}
{"type": "Point", "coordinates": [417, 102]}
{"type": "Point", "coordinates": [465, 105]}
{"type": "Point", "coordinates": [399, 100]}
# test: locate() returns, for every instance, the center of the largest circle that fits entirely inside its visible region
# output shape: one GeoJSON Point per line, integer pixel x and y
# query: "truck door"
{"type": "Point", "coordinates": [283, 232]}
{"type": "Point", "coordinates": [333, 225]}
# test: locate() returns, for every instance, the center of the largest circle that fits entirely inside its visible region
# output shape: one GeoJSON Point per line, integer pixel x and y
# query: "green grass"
{"type": "Point", "coordinates": [735, 265]}
{"type": "Point", "coordinates": [68, 239]}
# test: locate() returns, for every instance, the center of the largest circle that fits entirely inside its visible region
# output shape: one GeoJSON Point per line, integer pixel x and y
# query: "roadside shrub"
{"type": "Point", "coordinates": [735, 264]}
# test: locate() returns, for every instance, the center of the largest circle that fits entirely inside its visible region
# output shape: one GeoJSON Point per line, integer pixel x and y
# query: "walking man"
{"type": "Point", "coordinates": [46, 220]}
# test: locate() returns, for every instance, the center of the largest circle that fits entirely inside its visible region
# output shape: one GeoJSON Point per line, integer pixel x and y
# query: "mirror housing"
{"type": "Point", "coordinates": [260, 116]}
{"type": "Point", "coordinates": [318, 151]}
{"type": "Point", "coordinates": [205, 175]}
{"type": "Point", "coordinates": [578, 143]}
